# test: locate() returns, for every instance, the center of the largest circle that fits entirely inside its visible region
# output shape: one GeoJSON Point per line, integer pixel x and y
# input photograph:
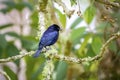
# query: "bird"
{"type": "Point", "coordinates": [49, 37]}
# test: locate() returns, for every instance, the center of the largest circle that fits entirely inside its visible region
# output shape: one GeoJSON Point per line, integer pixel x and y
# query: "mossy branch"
{"type": "Point", "coordinates": [13, 58]}
{"type": "Point", "coordinates": [66, 58]}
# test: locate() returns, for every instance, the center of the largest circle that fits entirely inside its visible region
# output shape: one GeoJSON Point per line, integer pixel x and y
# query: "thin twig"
{"type": "Point", "coordinates": [5, 74]}
{"type": "Point", "coordinates": [65, 9]}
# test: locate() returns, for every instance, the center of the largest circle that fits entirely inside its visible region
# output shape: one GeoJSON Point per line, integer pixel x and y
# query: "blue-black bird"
{"type": "Point", "coordinates": [48, 38]}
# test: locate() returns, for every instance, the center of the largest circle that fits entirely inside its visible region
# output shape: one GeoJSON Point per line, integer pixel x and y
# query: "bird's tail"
{"type": "Point", "coordinates": [38, 52]}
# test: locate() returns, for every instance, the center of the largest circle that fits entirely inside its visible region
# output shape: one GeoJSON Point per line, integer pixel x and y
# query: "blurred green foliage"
{"type": "Point", "coordinates": [90, 46]}
{"type": "Point", "coordinates": [12, 5]}
{"type": "Point", "coordinates": [62, 68]}
{"type": "Point", "coordinates": [89, 14]}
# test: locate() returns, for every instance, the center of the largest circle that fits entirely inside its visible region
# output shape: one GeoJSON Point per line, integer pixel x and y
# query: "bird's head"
{"type": "Point", "coordinates": [55, 27]}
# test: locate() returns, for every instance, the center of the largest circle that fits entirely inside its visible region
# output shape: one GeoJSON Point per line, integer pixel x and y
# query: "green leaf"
{"type": "Point", "coordinates": [11, 49]}
{"type": "Point", "coordinates": [61, 70]}
{"type": "Point", "coordinates": [90, 51]}
{"type": "Point", "coordinates": [94, 67]}
{"type": "Point", "coordinates": [96, 44]}
{"type": "Point", "coordinates": [34, 18]}
{"type": "Point", "coordinates": [10, 5]}
{"type": "Point", "coordinates": [3, 42]}
{"type": "Point", "coordinates": [26, 4]}
{"type": "Point", "coordinates": [116, 15]}
{"type": "Point", "coordinates": [1, 52]}
{"type": "Point", "coordinates": [5, 10]}
{"type": "Point", "coordinates": [34, 71]}
{"type": "Point", "coordinates": [10, 73]}
{"type": "Point", "coordinates": [112, 0]}
{"type": "Point", "coordinates": [89, 14]}
{"type": "Point", "coordinates": [103, 25]}
{"type": "Point", "coordinates": [113, 46]}
{"type": "Point", "coordinates": [38, 72]}
{"type": "Point", "coordinates": [73, 2]}
{"type": "Point", "coordinates": [28, 42]}
{"type": "Point", "coordinates": [77, 33]}
{"type": "Point", "coordinates": [5, 26]}
{"type": "Point", "coordinates": [84, 43]}
{"type": "Point", "coordinates": [62, 17]}
{"type": "Point", "coordinates": [76, 22]}
{"type": "Point", "coordinates": [13, 34]}
{"type": "Point", "coordinates": [22, 5]}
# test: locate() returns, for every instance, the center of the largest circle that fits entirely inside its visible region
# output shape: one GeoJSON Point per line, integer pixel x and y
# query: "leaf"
{"type": "Point", "coordinates": [77, 33]}
{"type": "Point", "coordinates": [3, 42]}
{"type": "Point", "coordinates": [73, 2]}
{"type": "Point", "coordinates": [39, 71]}
{"type": "Point", "coordinates": [62, 17]}
{"type": "Point", "coordinates": [1, 52]}
{"type": "Point", "coordinates": [84, 43]}
{"type": "Point", "coordinates": [113, 46]}
{"type": "Point", "coordinates": [61, 70]}
{"type": "Point", "coordinates": [96, 44]}
{"type": "Point", "coordinates": [10, 5]}
{"type": "Point", "coordinates": [10, 73]}
{"type": "Point", "coordinates": [33, 71]}
{"type": "Point", "coordinates": [112, 0]}
{"type": "Point", "coordinates": [11, 49]}
{"type": "Point", "coordinates": [117, 16]}
{"type": "Point", "coordinates": [94, 67]}
{"type": "Point", "coordinates": [90, 51]}
{"type": "Point", "coordinates": [89, 14]}
{"type": "Point", "coordinates": [28, 42]}
{"type": "Point", "coordinates": [13, 34]}
{"type": "Point", "coordinates": [26, 4]}
{"type": "Point", "coordinates": [34, 18]}
{"type": "Point", "coordinates": [76, 22]}
{"type": "Point", "coordinates": [103, 25]}
{"type": "Point", "coordinates": [22, 5]}
{"type": "Point", "coordinates": [5, 26]}
{"type": "Point", "coordinates": [5, 10]}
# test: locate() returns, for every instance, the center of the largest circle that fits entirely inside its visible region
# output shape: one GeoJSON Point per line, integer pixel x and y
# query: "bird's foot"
{"type": "Point", "coordinates": [47, 47]}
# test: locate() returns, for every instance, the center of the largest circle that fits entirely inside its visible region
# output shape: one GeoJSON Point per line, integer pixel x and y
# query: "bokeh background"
{"type": "Point", "coordinates": [85, 30]}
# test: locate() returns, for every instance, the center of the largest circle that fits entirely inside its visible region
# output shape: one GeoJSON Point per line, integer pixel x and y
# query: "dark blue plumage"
{"type": "Point", "coordinates": [48, 38]}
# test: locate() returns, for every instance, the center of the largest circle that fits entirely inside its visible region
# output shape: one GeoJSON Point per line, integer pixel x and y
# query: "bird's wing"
{"type": "Point", "coordinates": [49, 38]}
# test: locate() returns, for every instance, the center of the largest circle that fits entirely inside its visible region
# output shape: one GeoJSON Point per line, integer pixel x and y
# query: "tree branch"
{"type": "Point", "coordinates": [16, 57]}
{"type": "Point", "coordinates": [66, 58]}
{"type": "Point", "coordinates": [107, 2]}
{"type": "Point", "coordinates": [89, 59]}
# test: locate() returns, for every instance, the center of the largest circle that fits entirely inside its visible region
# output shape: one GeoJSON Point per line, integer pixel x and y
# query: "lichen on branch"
{"type": "Point", "coordinates": [54, 55]}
